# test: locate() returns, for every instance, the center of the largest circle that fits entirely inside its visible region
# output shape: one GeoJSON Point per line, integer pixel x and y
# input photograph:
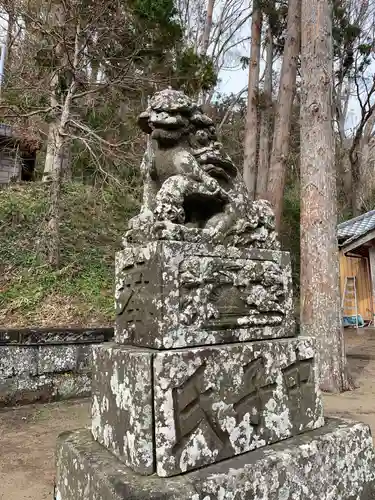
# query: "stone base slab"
{"type": "Point", "coordinates": [335, 462]}
{"type": "Point", "coordinates": [178, 410]}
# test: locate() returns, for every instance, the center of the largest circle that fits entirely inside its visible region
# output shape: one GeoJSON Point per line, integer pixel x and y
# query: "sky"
{"type": "Point", "coordinates": [233, 80]}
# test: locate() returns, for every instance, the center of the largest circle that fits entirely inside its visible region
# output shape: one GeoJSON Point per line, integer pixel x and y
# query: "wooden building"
{"type": "Point", "coordinates": [17, 156]}
{"type": "Point", "coordinates": [356, 238]}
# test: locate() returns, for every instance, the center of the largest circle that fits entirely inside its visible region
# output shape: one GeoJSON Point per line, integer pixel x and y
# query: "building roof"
{"type": "Point", "coordinates": [353, 229]}
{"type": "Point", "coordinates": [6, 131]}
{"type": "Point", "coordinates": [24, 137]}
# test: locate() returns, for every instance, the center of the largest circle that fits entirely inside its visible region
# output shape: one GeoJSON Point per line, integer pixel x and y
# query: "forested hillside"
{"type": "Point", "coordinates": [80, 291]}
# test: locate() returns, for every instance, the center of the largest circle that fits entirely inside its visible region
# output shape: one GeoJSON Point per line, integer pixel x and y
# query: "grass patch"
{"type": "Point", "coordinates": [81, 291]}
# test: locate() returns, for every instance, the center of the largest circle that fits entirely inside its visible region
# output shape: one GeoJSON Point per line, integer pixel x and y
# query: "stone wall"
{"type": "Point", "coordinates": [47, 364]}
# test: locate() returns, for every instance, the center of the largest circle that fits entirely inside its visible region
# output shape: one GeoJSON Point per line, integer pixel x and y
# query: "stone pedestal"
{"type": "Point", "coordinates": [206, 394]}
{"type": "Point", "coordinates": [208, 388]}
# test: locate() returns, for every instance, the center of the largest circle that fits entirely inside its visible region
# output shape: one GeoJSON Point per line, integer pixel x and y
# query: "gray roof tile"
{"type": "Point", "coordinates": [355, 228]}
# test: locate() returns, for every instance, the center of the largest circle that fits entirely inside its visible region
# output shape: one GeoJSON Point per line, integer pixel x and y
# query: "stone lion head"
{"type": "Point", "coordinates": [172, 117]}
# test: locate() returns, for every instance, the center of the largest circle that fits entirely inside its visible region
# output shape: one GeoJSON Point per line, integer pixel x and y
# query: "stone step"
{"type": "Point", "coordinates": [334, 462]}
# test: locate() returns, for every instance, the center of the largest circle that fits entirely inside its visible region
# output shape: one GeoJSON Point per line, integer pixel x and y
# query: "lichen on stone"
{"type": "Point", "coordinates": [121, 405]}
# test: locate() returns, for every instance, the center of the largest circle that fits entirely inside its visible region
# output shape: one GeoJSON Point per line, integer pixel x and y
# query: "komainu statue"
{"type": "Point", "coordinates": [192, 190]}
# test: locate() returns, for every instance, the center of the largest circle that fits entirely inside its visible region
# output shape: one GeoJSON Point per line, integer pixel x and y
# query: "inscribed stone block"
{"type": "Point", "coordinates": [215, 402]}
{"type": "Point", "coordinates": [179, 294]}
{"type": "Point", "coordinates": [122, 404]}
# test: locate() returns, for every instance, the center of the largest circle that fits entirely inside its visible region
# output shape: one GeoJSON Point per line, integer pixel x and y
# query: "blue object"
{"type": "Point", "coordinates": [352, 321]}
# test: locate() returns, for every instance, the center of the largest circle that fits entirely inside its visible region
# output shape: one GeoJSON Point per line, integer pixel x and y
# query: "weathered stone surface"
{"type": "Point", "coordinates": [8, 388]}
{"type": "Point", "coordinates": [335, 462]}
{"type": "Point", "coordinates": [196, 406]}
{"type": "Point", "coordinates": [122, 417]}
{"type": "Point", "coordinates": [173, 294]}
{"type": "Point", "coordinates": [53, 336]}
{"type": "Point", "coordinates": [84, 359]}
{"type": "Point", "coordinates": [87, 471]}
{"type": "Point", "coordinates": [33, 373]}
{"type": "Point", "coordinates": [17, 360]}
{"type": "Point", "coordinates": [216, 402]}
{"type": "Point", "coordinates": [192, 189]}
{"type": "Point", "coordinates": [57, 359]}
{"type": "Point", "coordinates": [71, 385]}
{"type": "Point", "coordinates": [44, 388]}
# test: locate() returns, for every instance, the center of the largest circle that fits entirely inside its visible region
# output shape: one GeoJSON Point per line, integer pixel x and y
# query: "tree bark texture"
{"type": "Point", "coordinates": [58, 155]}
{"type": "Point", "coordinates": [282, 126]}
{"type": "Point", "coordinates": [58, 145]}
{"type": "Point", "coordinates": [320, 296]}
{"type": "Point", "coordinates": [344, 177]}
{"type": "Point", "coordinates": [250, 146]}
{"type": "Point", "coordinates": [205, 97]}
{"type": "Point", "coordinates": [207, 27]}
{"type": "Point", "coordinates": [9, 39]}
{"type": "Point", "coordinates": [53, 228]}
{"type": "Point", "coordinates": [48, 163]}
{"type": "Point", "coordinates": [362, 170]}
{"type": "Point", "coordinates": [265, 123]}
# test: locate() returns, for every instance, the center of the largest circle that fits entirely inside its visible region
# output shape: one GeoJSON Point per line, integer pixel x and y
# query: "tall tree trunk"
{"type": "Point", "coordinates": [367, 186]}
{"type": "Point", "coordinates": [55, 156]}
{"type": "Point", "coordinates": [60, 147]}
{"type": "Point", "coordinates": [361, 169]}
{"type": "Point", "coordinates": [204, 97]}
{"type": "Point", "coordinates": [280, 145]}
{"type": "Point", "coordinates": [207, 27]}
{"type": "Point", "coordinates": [50, 154]}
{"type": "Point", "coordinates": [344, 177]}
{"type": "Point", "coordinates": [58, 154]}
{"type": "Point", "coordinates": [53, 236]}
{"type": "Point", "coordinates": [265, 122]}
{"type": "Point", "coordinates": [59, 144]}
{"type": "Point", "coordinates": [10, 29]}
{"type": "Point", "coordinates": [250, 147]}
{"type": "Point", "coordinates": [66, 165]}
{"type": "Point", "coordinates": [7, 42]}
{"type": "Point", "coordinates": [320, 298]}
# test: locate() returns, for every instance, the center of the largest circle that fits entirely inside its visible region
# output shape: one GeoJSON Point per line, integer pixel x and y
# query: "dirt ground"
{"type": "Point", "coordinates": [28, 434]}
{"type": "Point", "coordinates": [27, 446]}
{"type": "Point", "coordinates": [360, 403]}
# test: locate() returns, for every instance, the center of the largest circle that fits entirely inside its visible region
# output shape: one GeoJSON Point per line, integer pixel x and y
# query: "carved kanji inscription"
{"type": "Point", "coordinates": [193, 404]}
{"type": "Point", "coordinates": [135, 309]}
{"type": "Point", "coordinates": [255, 391]}
{"type": "Point", "coordinates": [212, 403]}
